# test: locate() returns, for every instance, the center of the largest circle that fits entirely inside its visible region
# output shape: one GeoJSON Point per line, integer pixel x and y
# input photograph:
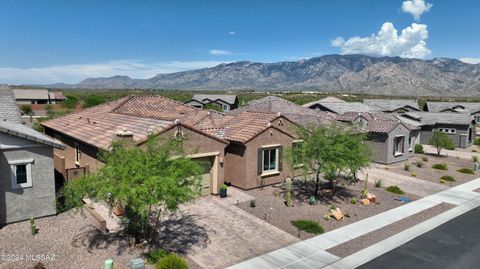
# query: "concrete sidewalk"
{"type": "Point", "coordinates": [312, 253]}
{"type": "Point", "coordinates": [411, 185]}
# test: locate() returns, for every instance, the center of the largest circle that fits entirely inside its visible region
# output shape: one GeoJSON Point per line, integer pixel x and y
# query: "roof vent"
{"type": "Point", "coordinates": [176, 121]}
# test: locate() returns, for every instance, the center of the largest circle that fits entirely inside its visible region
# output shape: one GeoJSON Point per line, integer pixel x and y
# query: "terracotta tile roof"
{"type": "Point", "coordinates": [37, 94]}
{"type": "Point", "coordinates": [244, 126]}
{"type": "Point", "coordinates": [98, 125]}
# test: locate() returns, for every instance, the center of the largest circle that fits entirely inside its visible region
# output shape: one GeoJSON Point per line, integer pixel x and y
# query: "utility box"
{"type": "Point", "coordinates": [137, 264]}
{"type": "Point", "coordinates": [476, 167]}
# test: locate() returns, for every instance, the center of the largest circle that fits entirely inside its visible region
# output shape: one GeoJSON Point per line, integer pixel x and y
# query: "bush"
{"type": "Point", "coordinates": [476, 141]}
{"type": "Point", "coordinates": [378, 183]}
{"type": "Point", "coordinates": [26, 109]}
{"type": "Point", "coordinates": [223, 187]}
{"type": "Point", "coordinates": [93, 100]}
{"type": "Point", "coordinates": [419, 163]}
{"type": "Point", "coordinates": [425, 159]}
{"type": "Point", "coordinates": [466, 171]}
{"type": "Point", "coordinates": [153, 257]}
{"type": "Point", "coordinates": [407, 167]}
{"type": "Point", "coordinates": [419, 148]}
{"type": "Point", "coordinates": [440, 166]}
{"type": "Point", "coordinates": [413, 174]}
{"type": "Point", "coordinates": [447, 178]}
{"type": "Point", "coordinates": [450, 147]}
{"type": "Point", "coordinates": [70, 102]}
{"type": "Point", "coordinates": [353, 201]}
{"type": "Point", "coordinates": [308, 226]}
{"type": "Point", "coordinates": [252, 203]}
{"type": "Point", "coordinates": [395, 189]}
{"type": "Point", "coordinates": [475, 158]}
{"type": "Point", "coordinates": [172, 261]}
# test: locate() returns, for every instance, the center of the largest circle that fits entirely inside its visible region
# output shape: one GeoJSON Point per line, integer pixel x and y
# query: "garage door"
{"type": "Point", "coordinates": [206, 163]}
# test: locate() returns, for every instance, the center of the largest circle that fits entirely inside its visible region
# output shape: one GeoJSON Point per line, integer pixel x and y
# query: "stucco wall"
{"type": "Point", "coordinates": [24, 203]}
{"type": "Point", "coordinates": [458, 141]}
{"type": "Point", "coordinates": [382, 145]}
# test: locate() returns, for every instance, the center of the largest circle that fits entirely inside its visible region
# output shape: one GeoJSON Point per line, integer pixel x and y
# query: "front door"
{"type": "Point", "coordinates": [206, 163]}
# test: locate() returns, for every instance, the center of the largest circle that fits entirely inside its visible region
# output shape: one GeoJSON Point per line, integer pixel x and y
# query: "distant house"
{"type": "Point", "coordinates": [455, 107]}
{"type": "Point", "coordinates": [459, 126]}
{"type": "Point", "coordinates": [37, 96]}
{"type": "Point", "coordinates": [390, 139]}
{"type": "Point", "coordinates": [27, 182]}
{"type": "Point", "coordinates": [338, 107]}
{"type": "Point", "coordinates": [392, 105]}
{"type": "Point", "coordinates": [328, 99]}
{"type": "Point", "coordinates": [224, 102]}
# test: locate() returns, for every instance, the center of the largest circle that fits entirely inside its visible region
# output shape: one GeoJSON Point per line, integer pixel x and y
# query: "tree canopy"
{"type": "Point", "coordinates": [440, 141]}
{"type": "Point", "coordinates": [137, 179]}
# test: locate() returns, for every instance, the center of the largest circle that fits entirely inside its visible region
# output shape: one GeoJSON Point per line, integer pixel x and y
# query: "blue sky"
{"type": "Point", "coordinates": [66, 41]}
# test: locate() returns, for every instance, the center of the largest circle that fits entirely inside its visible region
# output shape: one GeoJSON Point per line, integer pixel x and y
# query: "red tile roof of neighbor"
{"type": "Point", "coordinates": [377, 122]}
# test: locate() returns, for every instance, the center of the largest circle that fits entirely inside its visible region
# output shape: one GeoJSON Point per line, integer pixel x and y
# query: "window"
{"type": "Point", "coordinates": [411, 143]}
{"type": "Point", "coordinates": [447, 130]}
{"type": "Point", "coordinates": [398, 145]}
{"type": "Point", "coordinates": [21, 173]}
{"type": "Point", "coordinates": [477, 119]}
{"type": "Point", "coordinates": [226, 107]}
{"type": "Point", "coordinates": [78, 155]}
{"type": "Point", "coordinates": [269, 160]}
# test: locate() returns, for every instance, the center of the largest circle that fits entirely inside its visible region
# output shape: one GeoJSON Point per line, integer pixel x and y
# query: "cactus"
{"type": "Point", "coordinates": [288, 195]}
{"type": "Point", "coordinates": [365, 188]}
{"type": "Point", "coordinates": [33, 227]}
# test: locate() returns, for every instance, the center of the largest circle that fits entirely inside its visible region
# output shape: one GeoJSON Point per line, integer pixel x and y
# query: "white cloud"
{"type": "Point", "coordinates": [231, 33]}
{"type": "Point", "coordinates": [74, 73]}
{"type": "Point", "coordinates": [411, 43]}
{"type": "Point", "coordinates": [470, 60]}
{"type": "Point", "coordinates": [416, 8]}
{"type": "Point", "coordinates": [218, 52]}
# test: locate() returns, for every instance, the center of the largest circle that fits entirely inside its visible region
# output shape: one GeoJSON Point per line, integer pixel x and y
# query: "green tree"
{"type": "Point", "coordinates": [334, 152]}
{"type": "Point", "coordinates": [93, 100]}
{"type": "Point", "coordinates": [440, 141]}
{"type": "Point", "coordinates": [26, 109]}
{"type": "Point", "coordinates": [70, 102]}
{"type": "Point", "coordinates": [139, 179]}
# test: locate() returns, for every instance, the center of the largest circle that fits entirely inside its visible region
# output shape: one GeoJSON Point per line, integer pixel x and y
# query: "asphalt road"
{"type": "Point", "coordinates": [455, 244]}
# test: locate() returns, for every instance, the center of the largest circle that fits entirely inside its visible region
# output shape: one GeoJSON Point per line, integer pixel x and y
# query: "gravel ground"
{"type": "Point", "coordinates": [369, 239]}
{"type": "Point", "coordinates": [433, 175]}
{"type": "Point", "coordinates": [66, 241]}
{"type": "Point", "coordinates": [272, 209]}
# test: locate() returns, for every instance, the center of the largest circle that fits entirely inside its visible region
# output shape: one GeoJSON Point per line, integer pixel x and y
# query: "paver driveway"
{"type": "Point", "coordinates": [232, 235]}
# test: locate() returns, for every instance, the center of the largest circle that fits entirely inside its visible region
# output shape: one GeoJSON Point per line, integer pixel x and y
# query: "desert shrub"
{"type": "Point", "coordinates": [93, 100]}
{"type": "Point", "coordinates": [425, 159]}
{"type": "Point", "coordinates": [440, 166]}
{"type": "Point", "coordinates": [413, 174]}
{"type": "Point", "coordinates": [450, 147]}
{"type": "Point", "coordinates": [466, 171]}
{"type": "Point", "coordinates": [26, 109]}
{"type": "Point", "coordinates": [395, 189]}
{"type": "Point", "coordinates": [419, 163]}
{"type": "Point", "coordinates": [70, 102]}
{"type": "Point", "coordinates": [475, 158]}
{"type": "Point", "coordinates": [476, 141]}
{"type": "Point", "coordinates": [378, 183]}
{"type": "Point", "coordinates": [153, 257]}
{"type": "Point", "coordinates": [407, 166]}
{"type": "Point", "coordinates": [447, 178]}
{"type": "Point", "coordinates": [353, 201]}
{"type": "Point", "coordinates": [308, 226]}
{"type": "Point", "coordinates": [419, 148]}
{"type": "Point", "coordinates": [172, 261]}
{"type": "Point", "coordinates": [252, 203]}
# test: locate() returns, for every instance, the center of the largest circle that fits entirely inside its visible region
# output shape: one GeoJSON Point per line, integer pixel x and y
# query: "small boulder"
{"type": "Point", "coordinates": [337, 214]}
{"type": "Point", "coordinates": [371, 197]}
{"type": "Point", "coordinates": [365, 201]}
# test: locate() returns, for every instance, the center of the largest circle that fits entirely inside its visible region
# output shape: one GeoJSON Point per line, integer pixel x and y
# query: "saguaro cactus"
{"type": "Point", "coordinates": [288, 194]}
{"type": "Point", "coordinates": [33, 227]}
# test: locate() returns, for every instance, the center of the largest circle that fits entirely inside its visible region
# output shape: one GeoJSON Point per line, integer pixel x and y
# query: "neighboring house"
{"type": "Point", "coordinates": [328, 99]}
{"type": "Point", "coordinates": [134, 119]}
{"type": "Point", "coordinates": [455, 107]}
{"type": "Point", "coordinates": [338, 108]}
{"type": "Point", "coordinates": [389, 139]}
{"type": "Point", "coordinates": [224, 102]}
{"type": "Point", "coordinates": [37, 96]}
{"type": "Point", "coordinates": [392, 105]}
{"type": "Point", "coordinates": [459, 126]}
{"type": "Point", "coordinates": [27, 181]}
{"type": "Point", "coordinates": [296, 113]}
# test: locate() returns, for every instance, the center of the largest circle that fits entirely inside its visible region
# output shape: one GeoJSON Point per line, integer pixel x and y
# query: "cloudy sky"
{"type": "Point", "coordinates": [67, 41]}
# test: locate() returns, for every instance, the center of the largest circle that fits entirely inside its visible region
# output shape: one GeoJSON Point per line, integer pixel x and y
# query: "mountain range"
{"type": "Point", "coordinates": [330, 73]}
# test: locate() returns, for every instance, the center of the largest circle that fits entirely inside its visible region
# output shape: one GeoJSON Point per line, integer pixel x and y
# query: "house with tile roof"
{"type": "Point", "coordinates": [392, 105]}
{"type": "Point", "coordinates": [459, 126]}
{"type": "Point", "coordinates": [37, 96]}
{"type": "Point", "coordinates": [225, 102]}
{"type": "Point", "coordinates": [27, 181]}
{"type": "Point", "coordinates": [390, 139]}
{"type": "Point", "coordinates": [455, 107]}
{"type": "Point", "coordinates": [133, 119]}
{"type": "Point", "coordinates": [338, 107]}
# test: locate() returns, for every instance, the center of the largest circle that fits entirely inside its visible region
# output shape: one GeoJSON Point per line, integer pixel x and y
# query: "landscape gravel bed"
{"type": "Point", "coordinates": [66, 241]}
{"type": "Point", "coordinates": [270, 206]}
{"type": "Point", "coordinates": [364, 241]}
{"type": "Point", "coordinates": [426, 172]}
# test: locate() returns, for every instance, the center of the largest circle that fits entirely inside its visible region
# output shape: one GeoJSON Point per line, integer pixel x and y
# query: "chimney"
{"type": "Point", "coordinates": [125, 136]}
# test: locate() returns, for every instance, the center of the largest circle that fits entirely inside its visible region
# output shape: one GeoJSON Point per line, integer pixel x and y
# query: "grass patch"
{"type": "Point", "coordinates": [308, 226]}
{"type": "Point", "coordinates": [440, 166]}
{"type": "Point", "coordinates": [153, 257]}
{"type": "Point", "coordinates": [466, 171]}
{"type": "Point", "coordinates": [394, 189]}
{"type": "Point", "coordinates": [447, 178]}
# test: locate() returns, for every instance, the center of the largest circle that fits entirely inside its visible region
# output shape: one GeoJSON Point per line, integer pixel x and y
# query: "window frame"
{"type": "Point", "coordinates": [226, 107]}
{"type": "Point", "coordinates": [411, 142]}
{"type": "Point", "coordinates": [401, 145]}
{"type": "Point", "coordinates": [448, 130]}
{"type": "Point", "coordinates": [13, 173]}
{"type": "Point", "coordinates": [275, 169]}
